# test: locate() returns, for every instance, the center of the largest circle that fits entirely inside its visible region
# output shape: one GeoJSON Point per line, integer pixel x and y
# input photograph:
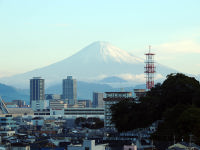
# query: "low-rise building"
{"type": "Point", "coordinates": [57, 107]}
{"type": "Point", "coordinates": [139, 93]}
{"type": "Point", "coordinates": [6, 132]}
{"type": "Point", "coordinates": [84, 112]}
{"type": "Point", "coordinates": [37, 121]}
{"type": "Point", "coordinates": [71, 112]}
{"type": "Point", "coordinates": [87, 145]}
{"type": "Point", "coordinates": [20, 146]}
{"type": "Point", "coordinates": [130, 147]}
{"type": "Point", "coordinates": [44, 112]}
{"type": "Point", "coordinates": [57, 104]}
{"type": "Point", "coordinates": [39, 104]}
{"type": "Point", "coordinates": [7, 122]}
{"type": "Point", "coordinates": [11, 105]}
{"type": "Point", "coordinates": [20, 111]}
{"type": "Point", "coordinates": [185, 146]}
{"type": "Point", "coordinates": [7, 126]}
{"type": "Point", "coordinates": [19, 103]}
{"type": "Point", "coordinates": [87, 103]}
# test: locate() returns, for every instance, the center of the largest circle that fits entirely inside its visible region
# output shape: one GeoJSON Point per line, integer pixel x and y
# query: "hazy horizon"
{"type": "Point", "coordinates": [38, 33]}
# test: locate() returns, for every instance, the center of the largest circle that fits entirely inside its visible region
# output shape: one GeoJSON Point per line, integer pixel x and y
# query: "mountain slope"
{"type": "Point", "coordinates": [9, 93]}
{"type": "Point", "coordinates": [112, 79]}
{"type": "Point", "coordinates": [94, 62]}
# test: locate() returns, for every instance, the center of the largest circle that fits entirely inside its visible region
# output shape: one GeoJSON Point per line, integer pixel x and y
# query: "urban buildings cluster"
{"type": "Point", "coordinates": [53, 118]}
{"type": "Point", "coordinates": [66, 103]}
{"type": "Point", "coordinates": [61, 121]}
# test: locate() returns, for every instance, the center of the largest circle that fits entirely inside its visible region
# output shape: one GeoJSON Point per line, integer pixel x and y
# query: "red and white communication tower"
{"type": "Point", "coordinates": [149, 69]}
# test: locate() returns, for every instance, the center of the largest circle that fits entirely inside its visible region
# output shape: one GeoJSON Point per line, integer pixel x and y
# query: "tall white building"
{"type": "Point", "coordinates": [113, 98]}
{"type": "Point", "coordinates": [70, 90]}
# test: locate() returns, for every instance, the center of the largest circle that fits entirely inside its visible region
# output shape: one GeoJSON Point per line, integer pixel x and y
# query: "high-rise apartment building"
{"type": "Point", "coordinates": [37, 91]}
{"type": "Point", "coordinates": [70, 90]}
{"type": "Point", "coordinates": [98, 100]}
{"type": "Point", "coordinates": [113, 98]}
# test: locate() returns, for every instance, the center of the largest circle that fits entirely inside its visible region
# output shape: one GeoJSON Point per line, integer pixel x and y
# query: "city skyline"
{"type": "Point", "coordinates": [35, 34]}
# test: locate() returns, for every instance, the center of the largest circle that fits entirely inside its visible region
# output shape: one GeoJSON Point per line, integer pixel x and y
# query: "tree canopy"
{"type": "Point", "coordinates": [176, 101]}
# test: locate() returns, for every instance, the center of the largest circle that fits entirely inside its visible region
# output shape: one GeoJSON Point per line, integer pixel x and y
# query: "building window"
{"type": "Point", "coordinates": [87, 148]}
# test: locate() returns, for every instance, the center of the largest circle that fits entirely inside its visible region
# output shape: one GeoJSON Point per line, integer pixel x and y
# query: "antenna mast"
{"type": "Point", "coordinates": [149, 69]}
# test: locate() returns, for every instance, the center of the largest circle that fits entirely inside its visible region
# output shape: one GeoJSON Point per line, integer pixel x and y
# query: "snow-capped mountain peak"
{"type": "Point", "coordinates": [105, 52]}
{"type": "Point", "coordinates": [97, 61]}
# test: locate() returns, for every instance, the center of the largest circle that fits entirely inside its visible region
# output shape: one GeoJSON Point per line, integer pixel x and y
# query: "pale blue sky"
{"type": "Point", "coordinates": [36, 33]}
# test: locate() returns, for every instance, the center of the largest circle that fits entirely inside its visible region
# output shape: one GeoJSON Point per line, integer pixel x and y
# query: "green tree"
{"type": "Point", "coordinates": [120, 114]}
{"type": "Point", "coordinates": [176, 101]}
{"type": "Point", "coordinates": [179, 88]}
{"type": "Point", "coordinates": [189, 122]}
{"type": "Point", "coordinates": [80, 120]}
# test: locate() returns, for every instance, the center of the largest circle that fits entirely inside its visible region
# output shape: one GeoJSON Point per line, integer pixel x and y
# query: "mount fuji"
{"type": "Point", "coordinates": [93, 63]}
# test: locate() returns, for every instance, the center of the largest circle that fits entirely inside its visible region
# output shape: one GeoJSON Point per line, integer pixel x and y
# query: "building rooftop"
{"type": "Point", "coordinates": [37, 77]}
{"type": "Point", "coordinates": [118, 98]}
{"type": "Point", "coordinates": [20, 111]}
{"type": "Point", "coordinates": [139, 90]}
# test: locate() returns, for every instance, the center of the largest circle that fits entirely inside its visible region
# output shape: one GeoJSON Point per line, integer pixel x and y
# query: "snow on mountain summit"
{"type": "Point", "coordinates": [95, 62]}
{"type": "Point", "coordinates": [105, 52]}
